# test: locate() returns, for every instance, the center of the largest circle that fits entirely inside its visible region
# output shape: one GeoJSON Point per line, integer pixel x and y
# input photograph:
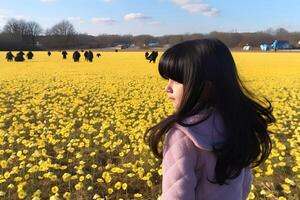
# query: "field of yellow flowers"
{"type": "Point", "coordinates": [75, 130]}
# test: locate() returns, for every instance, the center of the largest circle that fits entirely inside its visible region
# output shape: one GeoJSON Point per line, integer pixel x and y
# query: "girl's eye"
{"type": "Point", "coordinates": [177, 83]}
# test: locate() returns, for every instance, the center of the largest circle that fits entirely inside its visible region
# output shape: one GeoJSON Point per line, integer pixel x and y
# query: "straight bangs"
{"type": "Point", "coordinates": [171, 66]}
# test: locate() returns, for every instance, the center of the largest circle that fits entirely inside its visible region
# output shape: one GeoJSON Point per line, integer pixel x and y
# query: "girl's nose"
{"type": "Point", "coordinates": [168, 88]}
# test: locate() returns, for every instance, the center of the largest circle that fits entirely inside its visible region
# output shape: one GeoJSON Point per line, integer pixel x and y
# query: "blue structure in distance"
{"type": "Point", "coordinates": [281, 44]}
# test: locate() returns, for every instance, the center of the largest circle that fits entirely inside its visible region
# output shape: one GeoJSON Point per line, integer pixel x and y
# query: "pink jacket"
{"type": "Point", "coordinates": [188, 161]}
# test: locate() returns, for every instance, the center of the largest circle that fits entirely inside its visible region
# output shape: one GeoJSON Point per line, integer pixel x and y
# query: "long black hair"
{"type": "Point", "coordinates": [209, 76]}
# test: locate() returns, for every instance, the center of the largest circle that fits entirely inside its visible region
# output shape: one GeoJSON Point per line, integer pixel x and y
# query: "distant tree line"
{"type": "Point", "coordinates": [23, 35]}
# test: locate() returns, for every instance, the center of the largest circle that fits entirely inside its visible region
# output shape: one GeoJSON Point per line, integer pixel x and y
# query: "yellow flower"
{"type": "Point", "coordinates": [251, 195]}
{"type": "Point", "coordinates": [54, 197]}
{"type": "Point", "coordinates": [286, 188]}
{"type": "Point", "coordinates": [63, 167]}
{"type": "Point", "coordinates": [93, 154]}
{"type": "Point", "coordinates": [282, 164]}
{"type": "Point", "coordinates": [90, 188]}
{"type": "Point", "coordinates": [10, 186]}
{"type": "Point", "coordinates": [160, 172]}
{"type": "Point", "coordinates": [18, 179]}
{"type": "Point", "coordinates": [100, 180]}
{"type": "Point", "coordinates": [269, 170]}
{"type": "Point", "coordinates": [94, 166]}
{"type": "Point", "coordinates": [130, 175]}
{"type": "Point", "coordinates": [117, 170]}
{"type": "Point", "coordinates": [37, 193]}
{"type": "Point", "coordinates": [149, 183]}
{"type": "Point", "coordinates": [281, 198]}
{"type": "Point", "coordinates": [54, 189]}
{"type": "Point", "coordinates": [289, 181]}
{"type": "Point", "coordinates": [137, 195]}
{"type": "Point", "coordinates": [26, 177]}
{"type": "Point", "coordinates": [6, 175]}
{"type": "Point", "coordinates": [67, 195]}
{"type": "Point", "coordinates": [2, 194]}
{"type": "Point", "coordinates": [124, 186]}
{"type": "Point", "coordinates": [66, 177]}
{"type": "Point", "coordinates": [3, 163]}
{"type": "Point", "coordinates": [78, 186]}
{"type": "Point", "coordinates": [21, 194]}
{"type": "Point", "coordinates": [263, 192]}
{"type": "Point", "coordinates": [118, 185]}
{"type": "Point", "coordinates": [96, 196]}
{"type": "Point", "coordinates": [81, 178]}
{"type": "Point", "coordinates": [19, 153]}
{"type": "Point", "coordinates": [88, 176]}
{"type": "Point", "coordinates": [295, 169]}
{"type": "Point", "coordinates": [106, 176]}
{"type": "Point", "coordinates": [110, 190]}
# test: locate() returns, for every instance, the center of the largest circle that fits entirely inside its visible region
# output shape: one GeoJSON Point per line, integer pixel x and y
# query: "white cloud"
{"type": "Point", "coordinates": [135, 16]}
{"type": "Point", "coordinates": [3, 19]}
{"type": "Point", "coordinates": [197, 6]}
{"type": "Point", "coordinates": [103, 20]}
{"type": "Point", "coordinates": [21, 17]}
{"type": "Point", "coordinates": [6, 15]}
{"type": "Point", "coordinates": [76, 20]}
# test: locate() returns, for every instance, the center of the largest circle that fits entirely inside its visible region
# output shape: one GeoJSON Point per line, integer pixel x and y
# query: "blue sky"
{"type": "Point", "coordinates": [157, 17]}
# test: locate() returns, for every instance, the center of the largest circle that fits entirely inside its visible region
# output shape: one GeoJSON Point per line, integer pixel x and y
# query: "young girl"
{"type": "Point", "coordinates": [219, 129]}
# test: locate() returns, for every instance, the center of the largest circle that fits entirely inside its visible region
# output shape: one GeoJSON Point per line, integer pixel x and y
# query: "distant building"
{"type": "Point", "coordinates": [153, 44]}
{"type": "Point", "coordinates": [265, 47]}
{"type": "Point", "coordinates": [121, 46]}
{"type": "Point", "coordinates": [246, 47]}
{"type": "Point", "coordinates": [281, 44]}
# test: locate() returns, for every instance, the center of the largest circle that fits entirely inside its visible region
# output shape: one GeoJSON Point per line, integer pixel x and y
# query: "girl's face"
{"type": "Point", "coordinates": [174, 91]}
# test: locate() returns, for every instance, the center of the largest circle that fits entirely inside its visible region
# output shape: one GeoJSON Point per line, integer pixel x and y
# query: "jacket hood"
{"type": "Point", "coordinates": [206, 134]}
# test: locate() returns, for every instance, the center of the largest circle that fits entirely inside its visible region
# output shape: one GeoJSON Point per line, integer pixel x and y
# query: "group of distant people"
{"type": "Point", "coordinates": [19, 56]}
{"type": "Point", "coordinates": [88, 55]}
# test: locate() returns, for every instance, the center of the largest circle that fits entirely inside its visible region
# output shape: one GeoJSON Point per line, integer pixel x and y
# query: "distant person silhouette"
{"type": "Point", "coordinates": [49, 53]}
{"type": "Point", "coordinates": [76, 56]}
{"type": "Point", "coordinates": [90, 56]}
{"type": "Point", "coordinates": [98, 55]}
{"type": "Point", "coordinates": [64, 53]}
{"type": "Point", "coordinates": [86, 53]}
{"type": "Point", "coordinates": [19, 57]}
{"type": "Point", "coordinates": [9, 56]}
{"type": "Point", "coordinates": [29, 55]}
{"type": "Point", "coordinates": [152, 57]}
